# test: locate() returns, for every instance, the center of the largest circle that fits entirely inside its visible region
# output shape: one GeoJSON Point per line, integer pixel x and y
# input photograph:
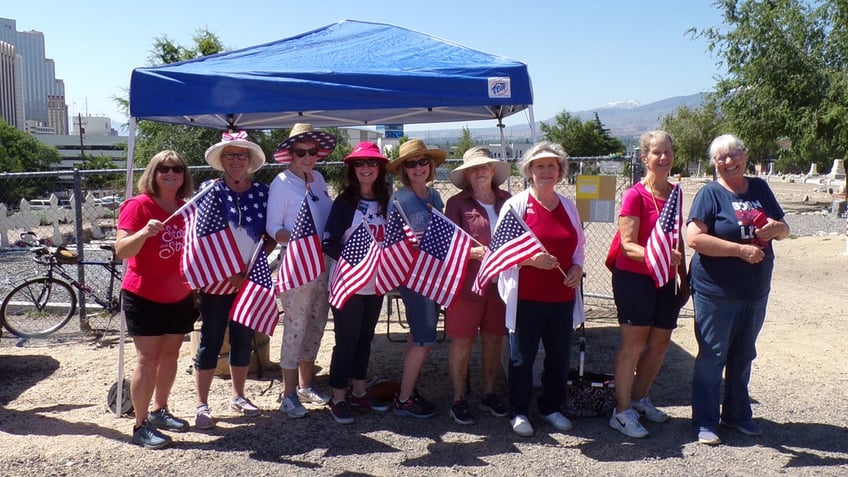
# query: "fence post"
{"type": "Point", "coordinates": [78, 198]}
{"type": "Point", "coordinates": [635, 167]}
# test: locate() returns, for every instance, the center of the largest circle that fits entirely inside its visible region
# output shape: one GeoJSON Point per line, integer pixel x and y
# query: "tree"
{"type": "Point", "coordinates": [465, 142]}
{"type": "Point", "coordinates": [582, 139]}
{"type": "Point", "coordinates": [21, 152]}
{"type": "Point", "coordinates": [692, 131]}
{"type": "Point", "coordinates": [785, 79]}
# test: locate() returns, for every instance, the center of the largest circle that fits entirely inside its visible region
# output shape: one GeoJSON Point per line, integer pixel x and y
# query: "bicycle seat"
{"type": "Point", "coordinates": [66, 256]}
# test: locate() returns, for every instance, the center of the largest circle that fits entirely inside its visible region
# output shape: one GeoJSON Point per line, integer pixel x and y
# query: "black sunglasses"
{"type": "Point", "coordinates": [303, 152]}
{"type": "Point", "coordinates": [365, 163]}
{"type": "Point", "coordinates": [167, 169]}
{"type": "Point", "coordinates": [311, 195]}
{"type": "Point", "coordinates": [409, 164]}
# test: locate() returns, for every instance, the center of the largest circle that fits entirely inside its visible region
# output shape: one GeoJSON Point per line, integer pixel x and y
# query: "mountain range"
{"type": "Point", "coordinates": [624, 119]}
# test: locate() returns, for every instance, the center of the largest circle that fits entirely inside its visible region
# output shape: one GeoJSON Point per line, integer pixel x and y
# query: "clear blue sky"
{"type": "Point", "coordinates": [580, 54]}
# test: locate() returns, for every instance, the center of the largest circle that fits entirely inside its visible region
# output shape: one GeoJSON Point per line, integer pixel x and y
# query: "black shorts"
{"type": "Point", "coordinates": [640, 303]}
{"type": "Point", "coordinates": [149, 318]}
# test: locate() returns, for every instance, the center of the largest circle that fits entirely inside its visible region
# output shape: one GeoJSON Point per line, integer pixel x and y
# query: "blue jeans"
{"type": "Point", "coordinates": [215, 316]}
{"type": "Point", "coordinates": [726, 331]}
{"type": "Point", "coordinates": [422, 315]}
{"type": "Point", "coordinates": [551, 323]}
{"type": "Point", "coordinates": [354, 329]}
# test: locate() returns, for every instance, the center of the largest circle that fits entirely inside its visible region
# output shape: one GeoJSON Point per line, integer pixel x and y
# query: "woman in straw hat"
{"type": "Point", "coordinates": [237, 158]}
{"type": "Point", "coordinates": [541, 295]}
{"type": "Point", "coordinates": [306, 307]}
{"type": "Point", "coordinates": [364, 199]}
{"type": "Point", "coordinates": [158, 305]}
{"type": "Point", "coordinates": [475, 209]}
{"type": "Point", "coordinates": [416, 166]}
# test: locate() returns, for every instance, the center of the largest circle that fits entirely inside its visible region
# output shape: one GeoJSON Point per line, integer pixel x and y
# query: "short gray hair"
{"type": "Point", "coordinates": [725, 143]}
{"type": "Point", "coordinates": [542, 150]}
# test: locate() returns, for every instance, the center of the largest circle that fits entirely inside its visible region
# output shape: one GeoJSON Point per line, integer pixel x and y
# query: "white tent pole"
{"type": "Point", "coordinates": [119, 396]}
{"type": "Point", "coordinates": [533, 133]}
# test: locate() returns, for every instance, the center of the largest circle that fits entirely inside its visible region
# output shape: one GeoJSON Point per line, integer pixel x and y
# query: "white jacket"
{"type": "Point", "coordinates": [508, 279]}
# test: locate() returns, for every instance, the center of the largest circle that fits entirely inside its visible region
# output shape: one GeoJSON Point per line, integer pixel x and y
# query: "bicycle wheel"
{"type": "Point", "coordinates": [38, 307]}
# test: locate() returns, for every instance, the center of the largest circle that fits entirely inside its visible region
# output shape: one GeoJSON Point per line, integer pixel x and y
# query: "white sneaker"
{"type": "Point", "coordinates": [647, 409]}
{"type": "Point", "coordinates": [243, 406]}
{"type": "Point", "coordinates": [311, 396]}
{"type": "Point", "coordinates": [627, 422]}
{"type": "Point", "coordinates": [559, 421]}
{"type": "Point", "coordinates": [203, 417]}
{"type": "Point", "coordinates": [292, 407]}
{"type": "Point", "coordinates": [521, 426]}
{"type": "Point", "coordinates": [708, 436]}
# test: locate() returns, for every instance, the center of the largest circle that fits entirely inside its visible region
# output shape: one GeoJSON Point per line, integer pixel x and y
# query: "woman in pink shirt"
{"type": "Point", "coordinates": [157, 303]}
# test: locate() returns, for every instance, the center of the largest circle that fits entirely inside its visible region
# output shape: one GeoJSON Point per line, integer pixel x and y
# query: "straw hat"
{"type": "Point", "coordinates": [416, 147]}
{"type": "Point", "coordinates": [305, 132]}
{"type": "Point", "coordinates": [238, 139]}
{"type": "Point", "coordinates": [478, 156]}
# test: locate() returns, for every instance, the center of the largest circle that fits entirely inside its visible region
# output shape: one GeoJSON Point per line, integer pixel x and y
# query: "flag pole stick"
{"type": "Point", "coordinates": [188, 204]}
{"type": "Point", "coordinates": [523, 224]}
{"type": "Point", "coordinates": [433, 209]}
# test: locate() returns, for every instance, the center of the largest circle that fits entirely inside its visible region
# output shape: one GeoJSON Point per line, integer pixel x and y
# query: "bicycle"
{"type": "Point", "coordinates": [43, 305]}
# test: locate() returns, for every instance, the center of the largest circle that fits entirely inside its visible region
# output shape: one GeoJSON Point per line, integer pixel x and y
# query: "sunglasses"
{"type": "Point", "coordinates": [236, 155]}
{"type": "Point", "coordinates": [303, 152]}
{"type": "Point", "coordinates": [409, 164]}
{"type": "Point", "coordinates": [365, 163]}
{"type": "Point", "coordinates": [167, 169]}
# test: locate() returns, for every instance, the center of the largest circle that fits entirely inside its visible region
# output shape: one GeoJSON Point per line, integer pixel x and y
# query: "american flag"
{"type": "Point", "coordinates": [440, 266]}
{"type": "Point", "coordinates": [512, 243]}
{"type": "Point", "coordinates": [256, 304]}
{"type": "Point", "coordinates": [664, 238]}
{"type": "Point", "coordinates": [397, 254]}
{"type": "Point", "coordinates": [304, 258]}
{"type": "Point", "coordinates": [210, 252]}
{"type": "Point", "coordinates": [355, 266]}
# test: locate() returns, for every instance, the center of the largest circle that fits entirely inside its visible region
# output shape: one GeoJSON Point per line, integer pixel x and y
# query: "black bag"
{"type": "Point", "coordinates": [588, 394]}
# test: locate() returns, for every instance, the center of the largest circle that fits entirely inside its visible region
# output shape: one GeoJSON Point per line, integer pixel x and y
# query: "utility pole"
{"type": "Point", "coordinates": [81, 134]}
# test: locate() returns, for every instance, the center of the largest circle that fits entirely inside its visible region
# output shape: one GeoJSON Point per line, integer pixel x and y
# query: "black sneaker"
{"type": "Point", "coordinates": [364, 404]}
{"type": "Point", "coordinates": [416, 406]}
{"type": "Point", "coordinates": [341, 412]}
{"type": "Point", "coordinates": [148, 436]}
{"type": "Point", "coordinates": [491, 404]}
{"type": "Point", "coordinates": [461, 413]}
{"type": "Point", "coordinates": [162, 419]}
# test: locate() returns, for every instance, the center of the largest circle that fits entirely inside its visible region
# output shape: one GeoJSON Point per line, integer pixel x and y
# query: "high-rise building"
{"type": "Point", "coordinates": [11, 86]}
{"type": "Point", "coordinates": [42, 92]}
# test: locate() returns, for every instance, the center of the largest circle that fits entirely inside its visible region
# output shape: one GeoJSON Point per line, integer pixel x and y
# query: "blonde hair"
{"type": "Point", "coordinates": [147, 181]}
{"type": "Point", "coordinates": [645, 141]}
{"type": "Point", "coordinates": [542, 150]}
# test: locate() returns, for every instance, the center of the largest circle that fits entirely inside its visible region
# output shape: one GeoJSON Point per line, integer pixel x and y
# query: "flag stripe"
{"type": "Point", "coordinates": [511, 244]}
{"type": "Point", "coordinates": [440, 266]}
{"type": "Point", "coordinates": [397, 255]}
{"type": "Point", "coordinates": [355, 266]}
{"type": "Point", "coordinates": [255, 305]}
{"type": "Point", "coordinates": [210, 252]}
{"type": "Point", "coordinates": [664, 238]}
{"type": "Point", "coordinates": [304, 258]}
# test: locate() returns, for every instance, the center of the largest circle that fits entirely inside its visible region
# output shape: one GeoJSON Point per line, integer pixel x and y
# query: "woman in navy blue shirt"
{"type": "Point", "coordinates": [731, 225]}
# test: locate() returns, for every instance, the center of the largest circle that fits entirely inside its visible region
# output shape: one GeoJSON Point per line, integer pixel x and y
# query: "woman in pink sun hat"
{"type": "Point", "coordinates": [363, 200]}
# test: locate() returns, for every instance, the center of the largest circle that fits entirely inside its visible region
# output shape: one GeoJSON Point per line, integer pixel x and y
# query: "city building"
{"type": "Point", "coordinates": [43, 95]}
{"type": "Point", "coordinates": [11, 86]}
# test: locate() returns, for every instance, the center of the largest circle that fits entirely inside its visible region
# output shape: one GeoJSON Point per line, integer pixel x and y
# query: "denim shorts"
{"type": "Point", "coordinates": [421, 315]}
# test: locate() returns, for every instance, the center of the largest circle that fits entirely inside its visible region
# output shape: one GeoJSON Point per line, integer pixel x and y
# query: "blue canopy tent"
{"type": "Point", "coordinates": [350, 73]}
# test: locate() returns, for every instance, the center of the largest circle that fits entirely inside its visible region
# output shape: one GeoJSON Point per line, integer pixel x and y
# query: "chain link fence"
{"type": "Point", "coordinates": [45, 203]}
